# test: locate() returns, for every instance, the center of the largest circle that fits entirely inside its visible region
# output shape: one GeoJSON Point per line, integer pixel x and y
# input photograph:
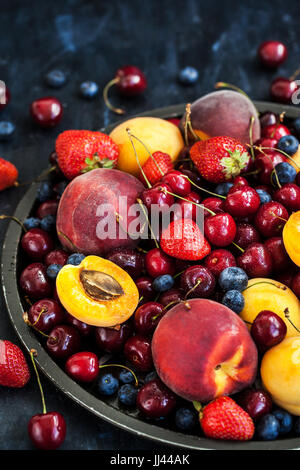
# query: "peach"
{"type": "Point", "coordinates": [155, 133]}
{"type": "Point", "coordinates": [280, 373]}
{"type": "Point", "coordinates": [91, 199]}
{"type": "Point", "coordinates": [202, 349]}
{"type": "Point", "coordinates": [291, 235]}
{"type": "Point", "coordinates": [224, 112]}
{"type": "Point", "coordinates": [267, 294]}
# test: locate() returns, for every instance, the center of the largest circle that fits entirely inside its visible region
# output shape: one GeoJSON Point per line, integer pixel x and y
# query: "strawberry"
{"type": "Point", "coordinates": [219, 159]}
{"type": "Point", "coordinates": [14, 370]}
{"type": "Point", "coordinates": [223, 418]}
{"type": "Point", "coordinates": [79, 151]}
{"type": "Point", "coordinates": [8, 174]}
{"type": "Point", "coordinates": [157, 167]}
{"type": "Point", "coordinates": [183, 239]}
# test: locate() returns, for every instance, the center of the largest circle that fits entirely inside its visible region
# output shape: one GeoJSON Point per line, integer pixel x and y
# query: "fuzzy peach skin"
{"type": "Point", "coordinates": [202, 349]}
{"type": "Point", "coordinates": [291, 237]}
{"type": "Point", "coordinates": [78, 211]}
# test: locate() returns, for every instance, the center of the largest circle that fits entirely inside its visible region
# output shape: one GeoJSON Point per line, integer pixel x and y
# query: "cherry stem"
{"type": "Point", "coordinates": [193, 288]}
{"type": "Point", "coordinates": [33, 354]}
{"type": "Point", "coordinates": [278, 216]}
{"type": "Point", "coordinates": [277, 150]}
{"type": "Point", "coordinates": [119, 217]}
{"type": "Point", "coordinates": [105, 96]}
{"type": "Point", "coordinates": [265, 282]}
{"type": "Point", "coordinates": [233, 87]}
{"type": "Point", "coordinates": [148, 151]}
{"type": "Point", "coordinates": [287, 316]}
{"type": "Point", "coordinates": [203, 189]}
{"type": "Point", "coordinates": [251, 137]}
{"type": "Point", "coordinates": [164, 190]}
{"type": "Point", "coordinates": [169, 305]}
{"type": "Point", "coordinates": [295, 74]}
{"type": "Point", "coordinates": [238, 247]}
{"type": "Point", "coordinates": [197, 406]}
{"type": "Point", "coordinates": [122, 367]}
{"type": "Point", "coordinates": [148, 222]}
{"type": "Point", "coordinates": [188, 125]}
{"type": "Point", "coordinates": [25, 318]}
{"type": "Point", "coordinates": [140, 299]}
{"type": "Point", "coordinates": [4, 216]}
{"type": "Point", "coordinates": [137, 158]}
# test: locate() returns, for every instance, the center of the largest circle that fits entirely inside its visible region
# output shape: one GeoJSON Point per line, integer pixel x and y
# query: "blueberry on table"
{"type": "Point", "coordinates": [55, 78]}
{"type": "Point", "coordinates": [233, 278]}
{"type": "Point", "coordinates": [127, 394]}
{"type": "Point", "coordinates": [75, 259]}
{"type": "Point", "coordinates": [288, 144]}
{"type": "Point", "coordinates": [268, 428]}
{"type": "Point", "coordinates": [44, 192]}
{"type": "Point", "coordinates": [48, 223]}
{"type": "Point", "coordinates": [126, 377]}
{"type": "Point", "coordinates": [285, 172]}
{"type": "Point", "coordinates": [188, 75]}
{"type": "Point", "coordinates": [7, 130]}
{"type": "Point", "coordinates": [234, 300]}
{"type": "Point", "coordinates": [163, 283]}
{"type": "Point", "coordinates": [32, 222]}
{"type": "Point", "coordinates": [285, 421]}
{"type": "Point", "coordinates": [89, 89]}
{"type": "Point", "coordinates": [107, 384]}
{"type": "Point", "coordinates": [53, 270]}
{"type": "Point", "coordinates": [185, 419]}
{"type": "Point", "coordinates": [264, 196]}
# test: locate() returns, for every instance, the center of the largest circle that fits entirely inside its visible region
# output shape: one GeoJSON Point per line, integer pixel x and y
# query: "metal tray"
{"type": "Point", "coordinates": [10, 265]}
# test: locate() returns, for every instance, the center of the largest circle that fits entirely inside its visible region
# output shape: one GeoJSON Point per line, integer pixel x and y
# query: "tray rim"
{"type": "Point", "coordinates": [61, 380]}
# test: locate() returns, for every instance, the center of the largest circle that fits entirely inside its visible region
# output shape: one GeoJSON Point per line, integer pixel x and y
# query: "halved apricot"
{"type": "Point", "coordinates": [97, 292]}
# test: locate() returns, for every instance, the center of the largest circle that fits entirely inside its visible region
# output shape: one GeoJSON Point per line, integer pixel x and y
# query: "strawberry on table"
{"type": "Point", "coordinates": [220, 159]}
{"type": "Point", "coordinates": [79, 151]}
{"type": "Point", "coordinates": [8, 174]}
{"type": "Point", "coordinates": [155, 168]}
{"type": "Point", "coordinates": [14, 370]}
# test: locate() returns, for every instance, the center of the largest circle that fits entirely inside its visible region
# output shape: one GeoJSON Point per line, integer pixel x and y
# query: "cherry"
{"type": "Point", "coordinates": [83, 366]}
{"type": "Point", "coordinates": [298, 179]}
{"type": "Point", "coordinates": [295, 284]}
{"type": "Point", "coordinates": [238, 183]}
{"type": "Point", "coordinates": [215, 204]}
{"type": "Point", "coordinates": [220, 229]}
{"type": "Point", "coordinates": [147, 317]}
{"type": "Point", "coordinates": [132, 261]}
{"type": "Point", "coordinates": [242, 202]}
{"type": "Point", "coordinates": [266, 162]}
{"type": "Point", "coordinates": [46, 112]}
{"type": "Point", "coordinates": [137, 350]}
{"type": "Point", "coordinates": [144, 285]}
{"type": "Point", "coordinates": [285, 278]}
{"type": "Point", "coordinates": [270, 219]}
{"type": "Point", "coordinates": [57, 257]}
{"type": "Point", "coordinates": [267, 330]}
{"type": "Point", "coordinates": [112, 340]}
{"type": "Point", "coordinates": [7, 98]}
{"type": "Point", "coordinates": [275, 131]}
{"type": "Point", "coordinates": [177, 182]}
{"type": "Point", "coordinates": [218, 260]}
{"type": "Point", "coordinates": [53, 158]}
{"type": "Point", "coordinates": [45, 314]}
{"type": "Point", "coordinates": [192, 175]}
{"type": "Point", "coordinates": [84, 329]}
{"type": "Point", "coordinates": [63, 341]}
{"type": "Point", "coordinates": [282, 89]}
{"type": "Point", "coordinates": [188, 210]}
{"type": "Point", "coordinates": [34, 281]}
{"type": "Point", "coordinates": [47, 430]}
{"type": "Point", "coordinates": [280, 259]}
{"type": "Point", "coordinates": [256, 403]}
{"type": "Point", "coordinates": [158, 263]}
{"type": "Point", "coordinates": [289, 196]}
{"type": "Point", "coordinates": [272, 53]}
{"type": "Point", "coordinates": [47, 208]}
{"type": "Point", "coordinates": [256, 261]}
{"type": "Point", "coordinates": [170, 297]}
{"type": "Point", "coordinates": [197, 281]}
{"type": "Point", "coordinates": [266, 142]}
{"type": "Point", "coordinates": [155, 400]}
{"type": "Point", "coordinates": [267, 118]}
{"type": "Point", "coordinates": [36, 243]}
{"type": "Point", "coordinates": [245, 235]}
{"type": "Point", "coordinates": [157, 195]}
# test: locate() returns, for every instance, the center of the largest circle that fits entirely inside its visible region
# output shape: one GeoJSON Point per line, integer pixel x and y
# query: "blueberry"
{"type": "Point", "coordinates": [75, 259]}
{"type": "Point", "coordinates": [286, 173]}
{"type": "Point", "coordinates": [185, 419]}
{"type": "Point", "coordinates": [268, 428]}
{"type": "Point", "coordinates": [264, 196]}
{"type": "Point", "coordinates": [89, 89]}
{"type": "Point", "coordinates": [223, 188]}
{"type": "Point", "coordinates": [127, 394]}
{"type": "Point", "coordinates": [7, 130]}
{"type": "Point", "coordinates": [53, 270]}
{"type": "Point", "coordinates": [126, 377]}
{"type": "Point", "coordinates": [151, 376]}
{"type": "Point", "coordinates": [285, 421]}
{"type": "Point", "coordinates": [48, 223]}
{"type": "Point", "coordinates": [188, 75]}
{"type": "Point", "coordinates": [44, 192]}
{"type": "Point", "coordinates": [288, 144]}
{"type": "Point", "coordinates": [163, 283]}
{"type": "Point", "coordinates": [107, 384]}
{"type": "Point", "coordinates": [296, 126]}
{"type": "Point", "coordinates": [32, 222]}
{"type": "Point", "coordinates": [296, 426]}
{"type": "Point", "coordinates": [234, 300]}
{"type": "Point", "coordinates": [55, 78]}
{"type": "Point", "coordinates": [233, 278]}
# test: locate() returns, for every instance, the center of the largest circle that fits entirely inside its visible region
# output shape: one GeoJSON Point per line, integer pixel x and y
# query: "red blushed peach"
{"type": "Point", "coordinates": [91, 200]}
{"type": "Point", "coordinates": [202, 349]}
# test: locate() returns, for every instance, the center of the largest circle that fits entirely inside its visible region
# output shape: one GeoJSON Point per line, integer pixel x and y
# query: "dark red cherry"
{"type": "Point", "coordinates": [45, 314]}
{"type": "Point", "coordinates": [289, 196]}
{"type": "Point", "coordinates": [112, 340]}
{"type": "Point", "coordinates": [197, 281]}
{"type": "Point", "coordinates": [256, 261]}
{"type": "Point", "coordinates": [272, 53]}
{"type": "Point", "coordinates": [57, 257]}
{"type": "Point", "coordinates": [155, 400]}
{"type": "Point", "coordinates": [84, 329]}
{"type": "Point", "coordinates": [280, 259]}
{"type": "Point", "coordinates": [144, 285]}
{"type": "Point", "coordinates": [285, 277]}
{"type": "Point", "coordinates": [214, 204]}
{"type": "Point", "coordinates": [37, 243]}
{"type": "Point", "coordinates": [189, 210]}
{"type": "Point", "coordinates": [34, 281]}
{"type": "Point", "coordinates": [158, 263]}
{"type": "Point", "coordinates": [275, 131]}
{"type": "Point", "coordinates": [137, 351]}
{"type": "Point", "coordinates": [47, 208]}
{"type": "Point", "coordinates": [256, 402]}
{"type": "Point", "coordinates": [265, 162]}
{"type": "Point", "coordinates": [193, 175]}
{"type": "Point", "coordinates": [220, 229]}
{"type": "Point", "coordinates": [147, 317]}
{"type": "Point", "coordinates": [83, 366]}
{"type": "Point", "coordinates": [298, 179]}
{"type": "Point", "coordinates": [266, 142]}
{"type": "Point", "coordinates": [295, 284]}
{"type": "Point", "coordinates": [132, 261]}
{"type": "Point", "coordinates": [218, 260]}
{"type": "Point", "coordinates": [7, 98]}
{"type": "Point", "coordinates": [245, 235]}
{"type": "Point", "coordinates": [267, 330]}
{"type": "Point", "coordinates": [53, 158]}
{"type": "Point", "coordinates": [130, 80]}
{"type": "Point", "coordinates": [177, 182]}
{"type": "Point", "coordinates": [238, 183]}
{"type": "Point", "coordinates": [46, 112]}
{"type": "Point", "coordinates": [63, 341]}
{"type": "Point", "coordinates": [271, 218]}
{"type": "Point", "coordinates": [242, 202]}
{"type": "Point", "coordinates": [47, 431]}
{"type": "Point", "coordinates": [157, 195]}
{"type": "Point", "coordinates": [171, 297]}
{"type": "Point", "coordinates": [282, 89]}
{"type": "Point", "coordinates": [267, 118]}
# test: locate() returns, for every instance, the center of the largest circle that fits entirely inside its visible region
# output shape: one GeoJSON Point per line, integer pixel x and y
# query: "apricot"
{"type": "Point", "coordinates": [295, 162]}
{"type": "Point", "coordinates": [88, 202]}
{"type": "Point", "coordinates": [155, 133]}
{"type": "Point", "coordinates": [202, 349]}
{"type": "Point", "coordinates": [97, 292]}
{"type": "Point", "coordinates": [224, 112]}
{"type": "Point", "coordinates": [267, 294]}
{"type": "Point", "coordinates": [291, 237]}
{"type": "Point", "coordinates": [280, 373]}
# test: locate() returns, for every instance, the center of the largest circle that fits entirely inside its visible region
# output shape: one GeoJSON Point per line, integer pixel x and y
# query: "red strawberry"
{"type": "Point", "coordinates": [223, 418]}
{"type": "Point", "coordinates": [8, 174]}
{"type": "Point", "coordinates": [14, 370]}
{"type": "Point", "coordinates": [183, 239]}
{"type": "Point", "coordinates": [79, 151]}
{"type": "Point", "coordinates": [219, 159]}
{"type": "Point", "coordinates": [157, 167]}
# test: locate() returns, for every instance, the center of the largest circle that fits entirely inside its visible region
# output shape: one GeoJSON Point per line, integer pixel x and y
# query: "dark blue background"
{"type": "Point", "coordinates": [90, 40]}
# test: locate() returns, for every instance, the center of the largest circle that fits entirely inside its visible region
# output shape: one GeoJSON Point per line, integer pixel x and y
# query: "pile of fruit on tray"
{"type": "Point", "coordinates": [198, 320]}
